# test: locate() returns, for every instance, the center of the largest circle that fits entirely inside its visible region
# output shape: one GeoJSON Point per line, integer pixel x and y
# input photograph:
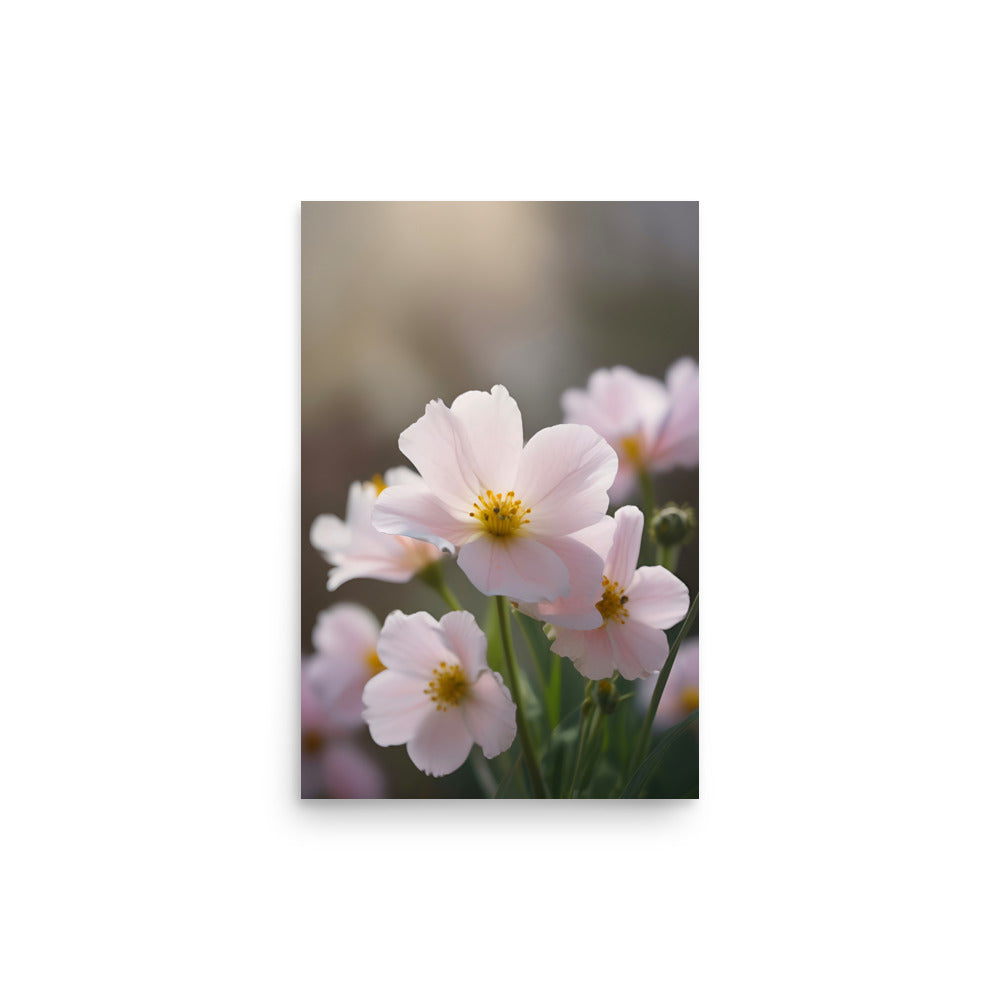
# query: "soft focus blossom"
{"type": "Point", "coordinates": [437, 694]}
{"type": "Point", "coordinates": [333, 767]}
{"type": "Point", "coordinates": [357, 549]}
{"type": "Point", "coordinates": [345, 639]}
{"type": "Point", "coordinates": [509, 508]}
{"type": "Point", "coordinates": [651, 425]}
{"type": "Point", "coordinates": [635, 607]}
{"type": "Point", "coordinates": [680, 696]}
{"type": "Point", "coordinates": [350, 773]}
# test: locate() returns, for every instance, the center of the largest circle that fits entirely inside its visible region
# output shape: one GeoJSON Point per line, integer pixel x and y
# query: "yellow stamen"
{"type": "Point", "coordinates": [312, 741]}
{"type": "Point", "coordinates": [375, 665]}
{"type": "Point", "coordinates": [689, 699]}
{"type": "Point", "coordinates": [379, 483]}
{"type": "Point", "coordinates": [448, 686]}
{"type": "Point", "coordinates": [612, 604]}
{"type": "Point", "coordinates": [501, 514]}
{"type": "Point", "coordinates": [632, 447]}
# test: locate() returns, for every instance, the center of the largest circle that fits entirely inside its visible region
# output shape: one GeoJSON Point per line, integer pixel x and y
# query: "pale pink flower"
{"type": "Point", "coordinates": [680, 696]}
{"type": "Point", "coordinates": [651, 425]}
{"type": "Point", "coordinates": [578, 609]}
{"type": "Point", "coordinates": [437, 693]}
{"type": "Point", "coordinates": [349, 773]}
{"type": "Point", "coordinates": [509, 508]}
{"type": "Point", "coordinates": [355, 548]}
{"type": "Point", "coordinates": [345, 639]}
{"type": "Point", "coordinates": [333, 767]}
{"type": "Point", "coordinates": [635, 607]}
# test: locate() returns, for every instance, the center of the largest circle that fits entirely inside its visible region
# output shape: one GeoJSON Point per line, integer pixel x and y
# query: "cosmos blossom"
{"type": "Point", "coordinates": [332, 766]}
{"type": "Point", "coordinates": [651, 425]}
{"type": "Point", "coordinates": [507, 507]}
{"type": "Point", "coordinates": [680, 696]}
{"type": "Point", "coordinates": [437, 694]}
{"type": "Point", "coordinates": [357, 549]}
{"type": "Point", "coordinates": [345, 640]}
{"type": "Point", "coordinates": [579, 608]}
{"type": "Point", "coordinates": [350, 773]}
{"type": "Point", "coordinates": [635, 606]}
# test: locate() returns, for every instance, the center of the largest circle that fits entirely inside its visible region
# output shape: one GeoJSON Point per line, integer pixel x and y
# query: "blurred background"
{"type": "Point", "coordinates": [407, 302]}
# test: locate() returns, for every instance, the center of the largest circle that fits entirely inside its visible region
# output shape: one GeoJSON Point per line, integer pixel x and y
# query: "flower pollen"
{"type": "Point", "coordinates": [689, 699]}
{"type": "Point", "coordinates": [632, 447]}
{"type": "Point", "coordinates": [501, 514]}
{"type": "Point", "coordinates": [379, 483]}
{"type": "Point", "coordinates": [448, 686]}
{"type": "Point", "coordinates": [612, 604]}
{"type": "Point", "coordinates": [375, 665]}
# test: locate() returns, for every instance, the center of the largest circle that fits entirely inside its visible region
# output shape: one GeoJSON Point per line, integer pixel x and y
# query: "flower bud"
{"type": "Point", "coordinates": [607, 696]}
{"type": "Point", "coordinates": [673, 524]}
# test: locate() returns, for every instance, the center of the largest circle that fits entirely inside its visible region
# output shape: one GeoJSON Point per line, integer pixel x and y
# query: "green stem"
{"type": "Point", "coordinates": [553, 693]}
{"type": "Point", "coordinates": [433, 576]}
{"type": "Point", "coordinates": [596, 720]}
{"type": "Point", "coordinates": [531, 648]}
{"type": "Point", "coordinates": [580, 740]}
{"type": "Point", "coordinates": [527, 744]}
{"type": "Point", "coordinates": [668, 557]}
{"type": "Point", "coordinates": [642, 745]}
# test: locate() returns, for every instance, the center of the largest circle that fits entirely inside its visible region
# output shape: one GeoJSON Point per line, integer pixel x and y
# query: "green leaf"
{"type": "Point", "coordinates": [553, 693]}
{"type": "Point", "coordinates": [656, 756]}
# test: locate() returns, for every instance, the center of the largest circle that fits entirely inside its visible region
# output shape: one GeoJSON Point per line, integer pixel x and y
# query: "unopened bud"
{"type": "Point", "coordinates": [607, 696]}
{"type": "Point", "coordinates": [673, 524]}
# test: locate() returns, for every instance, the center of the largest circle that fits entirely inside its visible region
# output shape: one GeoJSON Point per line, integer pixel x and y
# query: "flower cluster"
{"type": "Point", "coordinates": [528, 525]}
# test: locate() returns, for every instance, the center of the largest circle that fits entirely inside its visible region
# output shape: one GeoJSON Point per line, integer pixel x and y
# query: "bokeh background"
{"type": "Point", "coordinates": [407, 302]}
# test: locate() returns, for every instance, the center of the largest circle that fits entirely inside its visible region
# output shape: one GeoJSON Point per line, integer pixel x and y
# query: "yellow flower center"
{"type": "Point", "coordinates": [612, 604]}
{"type": "Point", "coordinates": [379, 483]}
{"type": "Point", "coordinates": [312, 741]}
{"type": "Point", "coordinates": [447, 686]}
{"type": "Point", "coordinates": [375, 665]}
{"type": "Point", "coordinates": [501, 515]}
{"type": "Point", "coordinates": [632, 448]}
{"type": "Point", "coordinates": [689, 699]}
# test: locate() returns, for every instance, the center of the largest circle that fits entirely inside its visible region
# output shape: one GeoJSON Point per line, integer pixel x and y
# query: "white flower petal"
{"type": "Point", "coordinates": [468, 640]}
{"type": "Point", "coordinates": [607, 405]}
{"type": "Point", "coordinates": [358, 549]}
{"type": "Point", "coordinates": [637, 650]}
{"type": "Point", "coordinates": [490, 714]}
{"type": "Point", "coordinates": [516, 566]}
{"type": "Point", "coordinates": [590, 651]}
{"type": "Point", "coordinates": [351, 774]}
{"type": "Point", "coordinates": [438, 446]}
{"type": "Point", "coordinates": [656, 597]}
{"type": "Point", "coordinates": [624, 553]}
{"type": "Point", "coordinates": [395, 707]}
{"type": "Point", "coordinates": [347, 629]}
{"type": "Point", "coordinates": [677, 443]}
{"type": "Point", "coordinates": [373, 568]}
{"type": "Point", "coordinates": [414, 645]}
{"type": "Point", "coordinates": [564, 477]}
{"type": "Point", "coordinates": [337, 681]}
{"type": "Point", "coordinates": [578, 608]}
{"type": "Point", "coordinates": [329, 535]}
{"type": "Point", "coordinates": [401, 475]}
{"type": "Point", "coordinates": [441, 744]}
{"type": "Point", "coordinates": [415, 511]}
{"type": "Point", "coordinates": [598, 536]}
{"type": "Point", "coordinates": [492, 425]}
